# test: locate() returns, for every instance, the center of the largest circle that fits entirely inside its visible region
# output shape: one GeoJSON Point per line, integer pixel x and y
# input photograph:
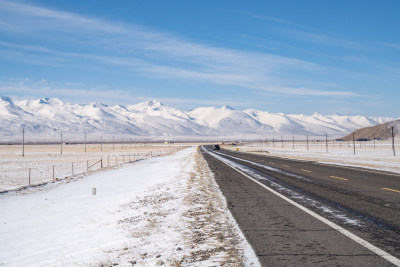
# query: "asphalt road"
{"type": "Point", "coordinates": [261, 191]}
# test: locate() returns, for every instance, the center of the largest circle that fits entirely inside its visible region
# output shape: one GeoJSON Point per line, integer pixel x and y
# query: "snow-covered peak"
{"type": "Point", "coordinates": [45, 116]}
{"type": "Point", "coordinates": [147, 105]}
{"type": "Point", "coordinates": [227, 108]}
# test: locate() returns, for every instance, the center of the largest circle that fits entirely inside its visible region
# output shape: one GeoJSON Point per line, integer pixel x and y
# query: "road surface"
{"type": "Point", "coordinates": [302, 213]}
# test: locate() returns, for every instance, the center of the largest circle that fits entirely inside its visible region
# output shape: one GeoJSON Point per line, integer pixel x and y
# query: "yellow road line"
{"type": "Point", "coordinates": [391, 190]}
{"type": "Point", "coordinates": [339, 178]}
{"type": "Point", "coordinates": [306, 170]}
{"type": "Point", "coordinates": [271, 162]}
{"type": "Point", "coordinates": [286, 166]}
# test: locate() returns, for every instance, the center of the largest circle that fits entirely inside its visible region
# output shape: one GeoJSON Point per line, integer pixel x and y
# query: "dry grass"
{"type": "Point", "coordinates": [207, 221]}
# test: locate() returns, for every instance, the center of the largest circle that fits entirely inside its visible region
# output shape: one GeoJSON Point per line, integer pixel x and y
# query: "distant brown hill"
{"type": "Point", "coordinates": [381, 131]}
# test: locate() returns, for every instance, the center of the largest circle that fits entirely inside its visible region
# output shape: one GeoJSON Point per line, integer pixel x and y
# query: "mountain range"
{"type": "Point", "coordinates": [44, 119]}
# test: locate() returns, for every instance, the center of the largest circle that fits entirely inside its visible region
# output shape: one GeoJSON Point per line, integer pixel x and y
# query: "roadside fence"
{"type": "Point", "coordinates": [324, 144]}
{"type": "Point", "coordinates": [16, 178]}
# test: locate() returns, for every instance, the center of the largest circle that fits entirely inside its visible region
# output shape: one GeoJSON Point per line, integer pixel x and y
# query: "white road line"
{"type": "Point", "coordinates": [338, 228]}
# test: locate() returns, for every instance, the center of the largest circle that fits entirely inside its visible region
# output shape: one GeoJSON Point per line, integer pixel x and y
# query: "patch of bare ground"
{"type": "Point", "coordinates": [181, 224]}
{"type": "Point", "coordinates": [210, 234]}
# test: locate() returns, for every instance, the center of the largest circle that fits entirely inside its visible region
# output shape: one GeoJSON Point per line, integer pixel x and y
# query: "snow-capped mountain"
{"type": "Point", "coordinates": [44, 119]}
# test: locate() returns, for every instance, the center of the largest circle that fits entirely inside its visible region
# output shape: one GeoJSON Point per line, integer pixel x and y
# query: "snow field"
{"type": "Point", "coordinates": [368, 155]}
{"type": "Point", "coordinates": [40, 159]}
{"type": "Point", "coordinates": [160, 211]}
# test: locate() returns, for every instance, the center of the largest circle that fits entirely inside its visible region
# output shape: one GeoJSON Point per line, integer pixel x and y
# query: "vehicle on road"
{"type": "Point", "coordinates": [216, 147]}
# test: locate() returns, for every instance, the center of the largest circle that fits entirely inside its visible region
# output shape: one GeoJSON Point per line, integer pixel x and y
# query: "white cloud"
{"type": "Point", "coordinates": [323, 39]}
{"type": "Point", "coordinates": [154, 53]}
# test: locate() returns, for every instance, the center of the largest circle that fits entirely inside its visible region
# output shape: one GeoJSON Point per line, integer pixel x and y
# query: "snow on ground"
{"type": "Point", "coordinates": [39, 161]}
{"type": "Point", "coordinates": [160, 211]}
{"type": "Point", "coordinates": [367, 155]}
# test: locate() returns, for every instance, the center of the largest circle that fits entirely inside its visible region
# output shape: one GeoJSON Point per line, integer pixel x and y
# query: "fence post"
{"type": "Point", "coordinates": [108, 161]}
{"type": "Point", "coordinates": [87, 165]}
{"type": "Point", "coordinates": [53, 174]}
{"type": "Point", "coordinates": [116, 160]}
{"type": "Point", "coordinates": [354, 145]}
{"type": "Point", "coordinates": [123, 158]}
{"type": "Point", "coordinates": [29, 182]}
{"type": "Point", "coordinates": [307, 142]}
{"type": "Point", "coordinates": [101, 163]}
{"type": "Point", "coordinates": [282, 141]}
{"type": "Point", "coordinates": [72, 169]}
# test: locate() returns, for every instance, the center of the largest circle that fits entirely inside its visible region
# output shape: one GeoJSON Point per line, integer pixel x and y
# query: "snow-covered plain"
{"type": "Point", "coordinates": [378, 155]}
{"type": "Point", "coordinates": [40, 161]}
{"type": "Point", "coordinates": [45, 119]}
{"type": "Point", "coordinates": [165, 210]}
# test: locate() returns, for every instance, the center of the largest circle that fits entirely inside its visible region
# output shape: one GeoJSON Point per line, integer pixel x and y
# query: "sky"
{"type": "Point", "coordinates": [330, 57]}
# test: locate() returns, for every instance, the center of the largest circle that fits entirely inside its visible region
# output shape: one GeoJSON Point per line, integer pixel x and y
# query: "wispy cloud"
{"type": "Point", "coordinates": [79, 93]}
{"type": "Point", "coordinates": [154, 53]}
{"type": "Point", "coordinates": [323, 39]}
{"type": "Point", "coordinates": [391, 45]}
{"type": "Point", "coordinates": [276, 20]}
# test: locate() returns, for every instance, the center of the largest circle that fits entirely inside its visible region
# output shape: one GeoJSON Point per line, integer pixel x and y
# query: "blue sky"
{"type": "Point", "coordinates": [280, 56]}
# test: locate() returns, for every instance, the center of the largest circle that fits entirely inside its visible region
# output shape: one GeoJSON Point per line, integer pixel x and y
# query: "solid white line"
{"type": "Point", "coordinates": [352, 236]}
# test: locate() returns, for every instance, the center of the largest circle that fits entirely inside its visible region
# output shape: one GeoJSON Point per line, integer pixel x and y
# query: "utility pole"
{"type": "Point", "coordinates": [326, 142]}
{"type": "Point", "coordinates": [85, 142]}
{"type": "Point", "coordinates": [61, 143]}
{"type": "Point", "coordinates": [394, 152]}
{"type": "Point", "coordinates": [23, 142]}
{"type": "Point", "coordinates": [307, 142]}
{"type": "Point", "coordinates": [293, 142]}
{"type": "Point", "coordinates": [101, 143]}
{"type": "Point", "coordinates": [354, 145]}
{"type": "Point", "coordinates": [282, 141]}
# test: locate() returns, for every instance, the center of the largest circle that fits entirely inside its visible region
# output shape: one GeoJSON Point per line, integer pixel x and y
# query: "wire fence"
{"type": "Point", "coordinates": [323, 144]}
{"type": "Point", "coordinates": [41, 167]}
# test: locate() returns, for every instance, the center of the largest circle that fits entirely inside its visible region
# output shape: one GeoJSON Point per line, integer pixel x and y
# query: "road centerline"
{"type": "Point", "coordinates": [338, 228]}
{"type": "Point", "coordinates": [335, 177]}
{"type": "Point", "coordinates": [391, 190]}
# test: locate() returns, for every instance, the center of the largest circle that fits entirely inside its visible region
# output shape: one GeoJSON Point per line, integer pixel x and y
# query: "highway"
{"type": "Point", "coordinates": [304, 213]}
